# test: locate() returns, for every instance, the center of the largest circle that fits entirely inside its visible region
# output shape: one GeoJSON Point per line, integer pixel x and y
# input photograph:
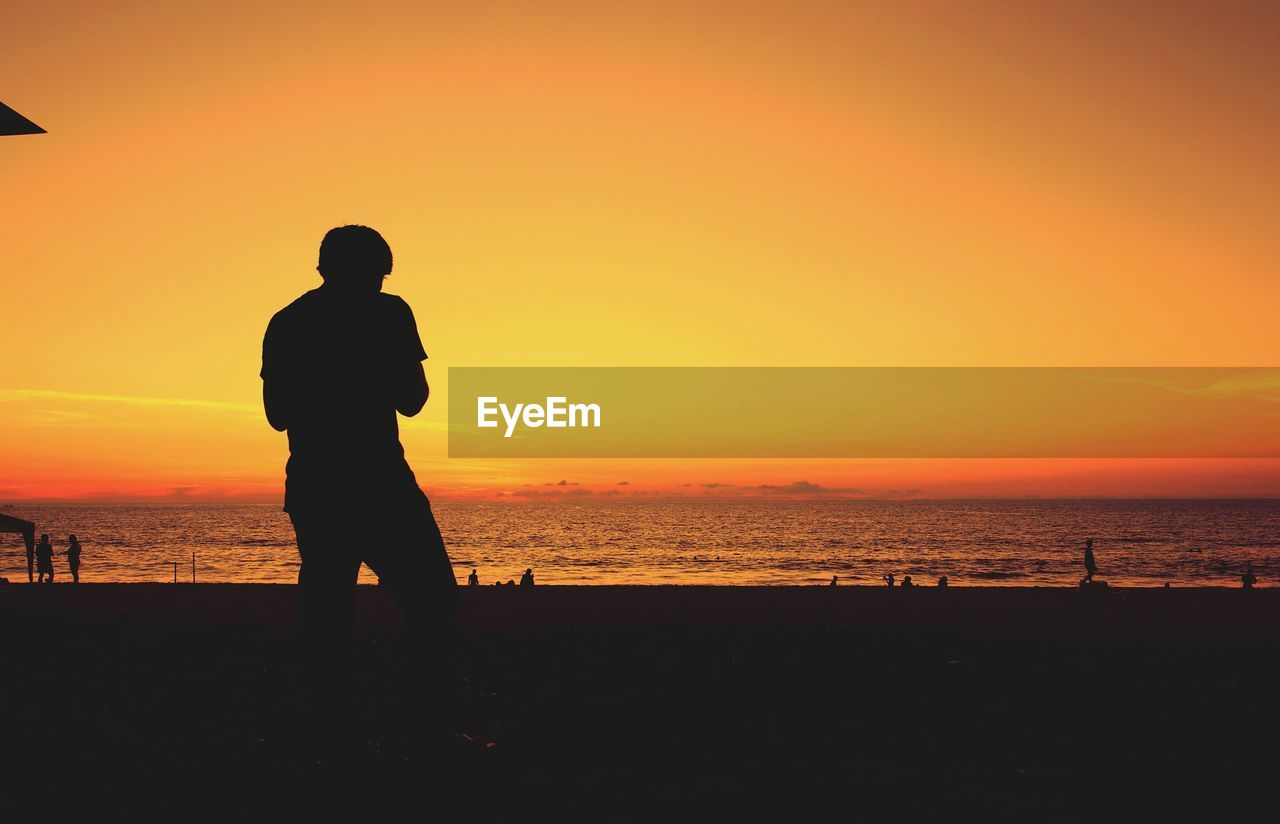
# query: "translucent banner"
{"type": "Point", "coordinates": [863, 412]}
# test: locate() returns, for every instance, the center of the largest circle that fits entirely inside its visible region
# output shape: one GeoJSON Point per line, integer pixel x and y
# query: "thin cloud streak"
{"type": "Point", "coordinates": [132, 400]}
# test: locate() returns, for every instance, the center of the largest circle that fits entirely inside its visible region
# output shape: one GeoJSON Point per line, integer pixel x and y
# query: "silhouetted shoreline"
{"type": "Point", "coordinates": [1038, 702]}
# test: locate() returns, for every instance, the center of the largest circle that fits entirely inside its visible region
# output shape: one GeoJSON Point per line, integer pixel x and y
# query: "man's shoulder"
{"type": "Point", "coordinates": [393, 303]}
{"type": "Point", "coordinates": [316, 310]}
{"type": "Point", "coordinates": [295, 318]}
{"type": "Point", "coordinates": [299, 306]}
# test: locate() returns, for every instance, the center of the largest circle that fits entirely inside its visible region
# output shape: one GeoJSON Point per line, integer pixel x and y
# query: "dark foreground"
{"type": "Point", "coordinates": [611, 703]}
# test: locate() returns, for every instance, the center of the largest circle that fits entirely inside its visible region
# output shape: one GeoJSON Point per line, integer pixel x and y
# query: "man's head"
{"type": "Point", "coordinates": [354, 257]}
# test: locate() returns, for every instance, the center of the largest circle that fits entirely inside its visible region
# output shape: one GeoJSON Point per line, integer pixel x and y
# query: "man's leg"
{"type": "Point", "coordinates": [411, 561]}
{"type": "Point", "coordinates": [326, 577]}
{"type": "Point", "coordinates": [330, 705]}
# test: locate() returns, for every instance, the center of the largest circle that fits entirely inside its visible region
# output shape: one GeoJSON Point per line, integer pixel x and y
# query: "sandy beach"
{"type": "Point", "coordinates": [631, 703]}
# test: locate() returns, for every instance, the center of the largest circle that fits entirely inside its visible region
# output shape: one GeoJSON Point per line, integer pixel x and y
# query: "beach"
{"type": "Point", "coordinates": [635, 703]}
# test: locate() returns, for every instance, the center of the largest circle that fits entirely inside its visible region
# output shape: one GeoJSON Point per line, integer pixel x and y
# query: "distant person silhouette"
{"type": "Point", "coordinates": [888, 579]}
{"type": "Point", "coordinates": [906, 581]}
{"type": "Point", "coordinates": [1090, 565]}
{"type": "Point", "coordinates": [526, 580]}
{"type": "Point", "coordinates": [942, 582]}
{"type": "Point", "coordinates": [1248, 579]}
{"type": "Point", "coordinates": [337, 365]}
{"type": "Point", "coordinates": [834, 581]}
{"type": "Point", "coordinates": [44, 560]}
{"type": "Point", "coordinates": [473, 580]}
{"type": "Point", "coordinates": [73, 557]}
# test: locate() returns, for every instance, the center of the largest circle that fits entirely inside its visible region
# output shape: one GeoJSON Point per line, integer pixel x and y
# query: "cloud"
{"type": "Point", "coordinates": [58, 417]}
{"type": "Point", "coordinates": [1262, 384]}
{"type": "Point", "coordinates": [190, 494]}
{"type": "Point", "coordinates": [799, 488]}
{"type": "Point", "coordinates": [557, 491]}
{"type": "Point", "coordinates": [132, 400]}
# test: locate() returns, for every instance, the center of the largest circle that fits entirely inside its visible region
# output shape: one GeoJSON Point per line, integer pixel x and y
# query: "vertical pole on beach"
{"type": "Point", "coordinates": [193, 567]}
{"type": "Point", "coordinates": [175, 572]}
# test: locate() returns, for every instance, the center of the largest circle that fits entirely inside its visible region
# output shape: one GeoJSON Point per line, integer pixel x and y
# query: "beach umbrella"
{"type": "Point", "coordinates": [8, 523]}
{"type": "Point", "coordinates": [13, 123]}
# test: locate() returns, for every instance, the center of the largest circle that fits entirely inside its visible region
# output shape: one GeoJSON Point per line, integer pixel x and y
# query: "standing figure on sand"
{"type": "Point", "coordinates": [44, 560]}
{"type": "Point", "coordinates": [1248, 579]}
{"type": "Point", "coordinates": [338, 365]}
{"type": "Point", "coordinates": [1090, 565]}
{"type": "Point", "coordinates": [73, 557]}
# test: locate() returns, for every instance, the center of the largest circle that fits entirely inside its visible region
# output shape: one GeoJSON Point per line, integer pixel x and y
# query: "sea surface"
{"type": "Point", "coordinates": [975, 543]}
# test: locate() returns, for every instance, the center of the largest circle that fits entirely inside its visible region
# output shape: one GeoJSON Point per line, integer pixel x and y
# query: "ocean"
{"type": "Point", "coordinates": [974, 543]}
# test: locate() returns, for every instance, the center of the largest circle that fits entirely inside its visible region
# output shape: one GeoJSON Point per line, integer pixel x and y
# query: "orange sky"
{"type": "Point", "coordinates": [646, 184]}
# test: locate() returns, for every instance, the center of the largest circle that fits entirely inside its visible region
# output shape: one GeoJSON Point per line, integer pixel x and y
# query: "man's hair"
{"type": "Point", "coordinates": [353, 253]}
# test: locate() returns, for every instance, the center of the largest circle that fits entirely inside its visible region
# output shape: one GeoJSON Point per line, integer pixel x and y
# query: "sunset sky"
{"type": "Point", "coordinates": [584, 183]}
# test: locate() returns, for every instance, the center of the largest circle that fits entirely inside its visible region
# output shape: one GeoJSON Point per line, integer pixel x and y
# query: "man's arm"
{"type": "Point", "coordinates": [276, 405]}
{"type": "Point", "coordinates": [411, 390]}
{"type": "Point", "coordinates": [275, 389]}
{"type": "Point", "coordinates": [411, 394]}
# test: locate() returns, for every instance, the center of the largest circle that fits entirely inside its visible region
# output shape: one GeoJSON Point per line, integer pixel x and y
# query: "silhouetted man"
{"type": "Point", "coordinates": [73, 557]}
{"type": "Point", "coordinates": [44, 560]}
{"type": "Point", "coordinates": [526, 580]}
{"type": "Point", "coordinates": [473, 580]}
{"type": "Point", "coordinates": [337, 365]}
{"type": "Point", "coordinates": [1090, 565]}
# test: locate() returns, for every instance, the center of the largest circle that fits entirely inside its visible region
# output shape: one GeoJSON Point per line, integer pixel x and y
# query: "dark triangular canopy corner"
{"type": "Point", "coordinates": [13, 123]}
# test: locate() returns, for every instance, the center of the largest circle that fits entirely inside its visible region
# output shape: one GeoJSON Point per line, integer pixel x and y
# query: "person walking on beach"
{"type": "Point", "coordinates": [338, 364]}
{"type": "Point", "coordinates": [73, 557]}
{"type": "Point", "coordinates": [44, 560]}
{"type": "Point", "coordinates": [473, 580]}
{"type": "Point", "coordinates": [1090, 566]}
{"type": "Point", "coordinates": [1248, 579]}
